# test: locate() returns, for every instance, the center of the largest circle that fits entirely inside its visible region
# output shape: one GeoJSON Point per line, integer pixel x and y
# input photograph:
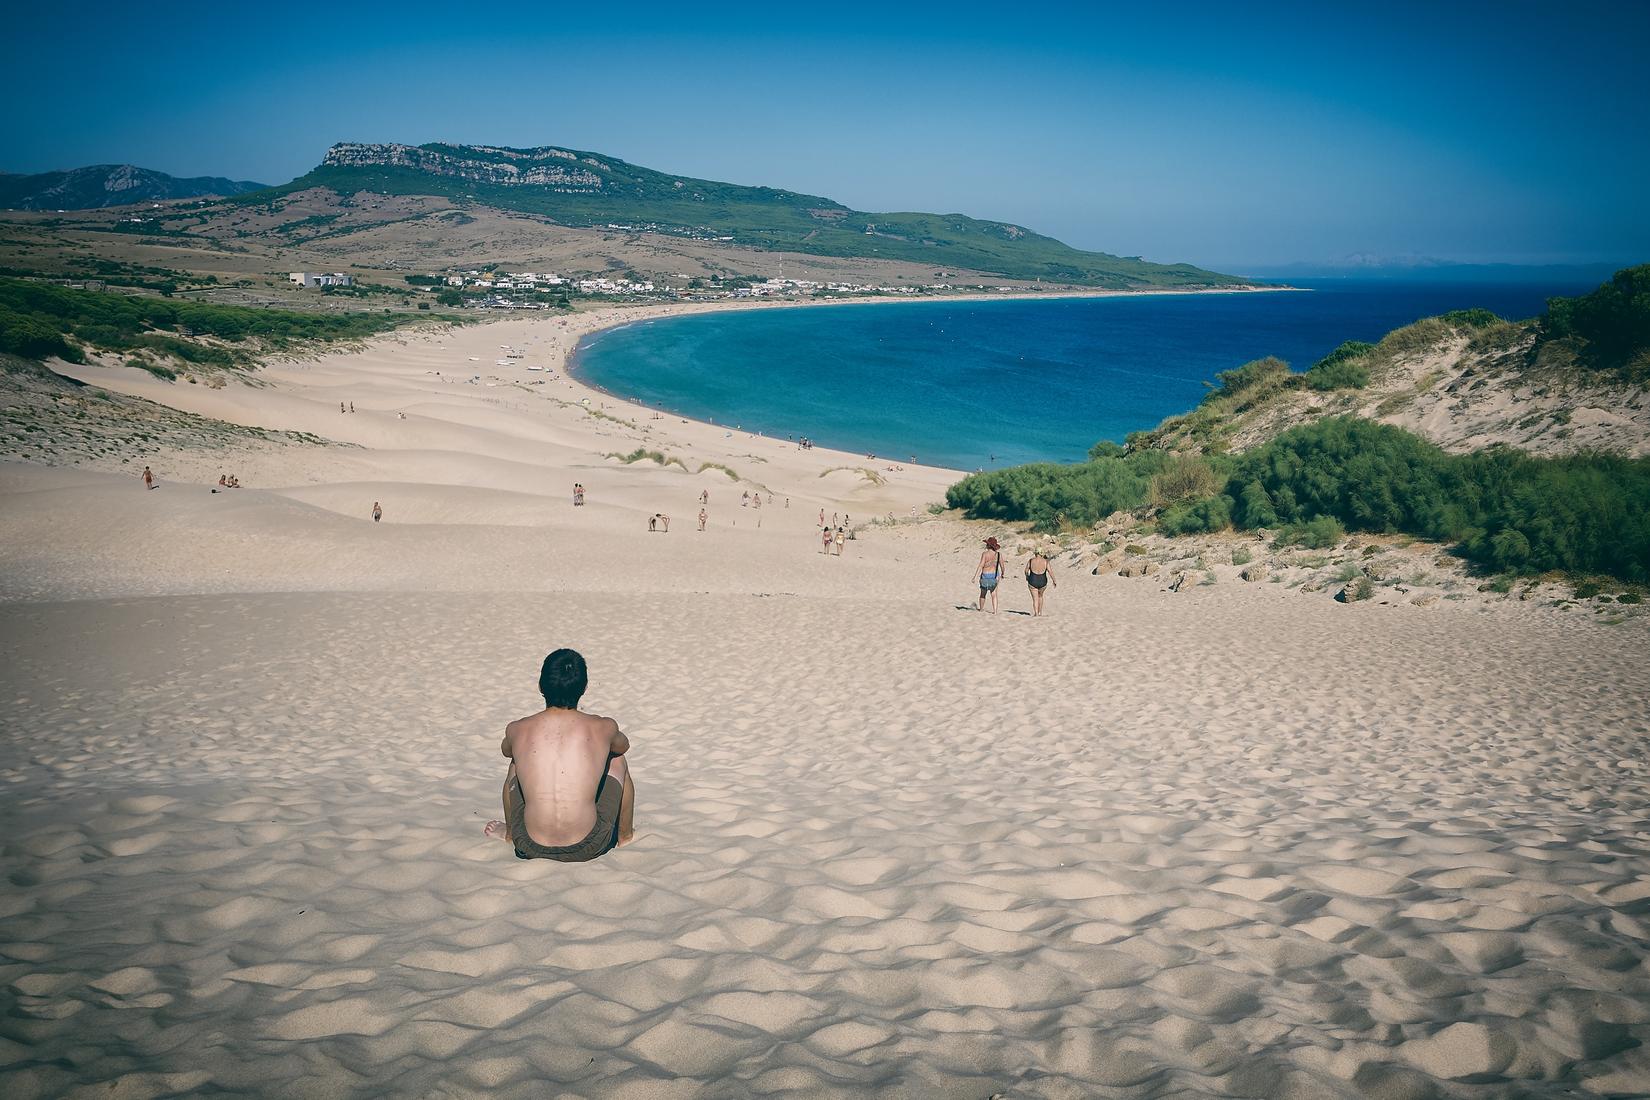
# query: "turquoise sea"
{"type": "Point", "coordinates": [981, 384]}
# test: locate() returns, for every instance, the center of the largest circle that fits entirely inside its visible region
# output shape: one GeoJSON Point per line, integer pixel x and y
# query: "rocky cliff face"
{"type": "Point", "coordinates": [555, 168]}
{"type": "Point", "coordinates": [109, 185]}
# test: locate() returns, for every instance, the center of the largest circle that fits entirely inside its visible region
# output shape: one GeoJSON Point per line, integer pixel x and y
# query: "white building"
{"type": "Point", "coordinates": [312, 278]}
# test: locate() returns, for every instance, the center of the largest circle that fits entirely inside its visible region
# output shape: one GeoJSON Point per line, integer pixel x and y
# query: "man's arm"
{"type": "Point", "coordinates": [620, 743]}
{"type": "Point", "coordinates": [504, 746]}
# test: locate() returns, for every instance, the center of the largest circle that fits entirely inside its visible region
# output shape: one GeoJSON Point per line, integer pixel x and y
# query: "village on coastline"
{"type": "Point", "coordinates": [489, 287]}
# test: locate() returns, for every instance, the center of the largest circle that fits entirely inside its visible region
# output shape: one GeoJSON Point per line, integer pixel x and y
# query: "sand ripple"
{"type": "Point", "coordinates": [243, 854]}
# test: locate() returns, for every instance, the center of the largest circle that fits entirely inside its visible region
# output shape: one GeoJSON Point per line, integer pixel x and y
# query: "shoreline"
{"type": "Point", "coordinates": [616, 317]}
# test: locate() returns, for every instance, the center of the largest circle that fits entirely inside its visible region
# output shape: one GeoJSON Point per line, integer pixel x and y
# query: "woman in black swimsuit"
{"type": "Point", "coordinates": [1038, 578]}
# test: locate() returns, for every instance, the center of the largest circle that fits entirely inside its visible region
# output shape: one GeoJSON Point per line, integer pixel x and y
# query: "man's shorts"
{"type": "Point", "coordinates": [602, 836]}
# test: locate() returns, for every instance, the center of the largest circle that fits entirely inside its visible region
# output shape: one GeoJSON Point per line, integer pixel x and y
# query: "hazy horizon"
{"type": "Point", "coordinates": [1225, 138]}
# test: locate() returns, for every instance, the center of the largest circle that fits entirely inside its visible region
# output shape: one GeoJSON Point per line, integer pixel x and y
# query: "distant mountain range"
{"type": "Point", "coordinates": [1431, 269]}
{"type": "Point", "coordinates": [109, 185]}
{"type": "Point", "coordinates": [588, 190]}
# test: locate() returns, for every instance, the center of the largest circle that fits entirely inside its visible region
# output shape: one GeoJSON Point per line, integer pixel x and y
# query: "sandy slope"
{"type": "Point", "coordinates": [1228, 842]}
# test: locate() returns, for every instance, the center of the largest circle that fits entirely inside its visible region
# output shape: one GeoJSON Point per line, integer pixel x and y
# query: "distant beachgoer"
{"type": "Point", "coordinates": [839, 542]}
{"type": "Point", "coordinates": [825, 545]}
{"type": "Point", "coordinates": [702, 518]}
{"type": "Point", "coordinates": [653, 522]}
{"type": "Point", "coordinates": [822, 517]}
{"type": "Point", "coordinates": [988, 572]}
{"type": "Point", "coordinates": [744, 500]}
{"type": "Point", "coordinates": [352, 406]}
{"type": "Point", "coordinates": [223, 481]}
{"type": "Point", "coordinates": [377, 512]}
{"type": "Point", "coordinates": [1038, 578]}
{"type": "Point", "coordinates": [340, 406]}
{"type": "Point", "coordinates": [568, 795]}
{"type": "Point", "coordinates": [148, 478]}
{"type": "Point", "coordinates": [833, 519]}
{"type": "Point", "coordinates": [787, 502]}
{"type": "Point", "coordinates": [704, 496]}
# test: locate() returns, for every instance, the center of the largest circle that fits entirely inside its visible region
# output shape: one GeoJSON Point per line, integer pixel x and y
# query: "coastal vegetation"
{"type": "Point", "coordinates": [40, 320]}
{"type": "Point", "coordinates": [1504, 509]}
{"type": "Point", "coordinates": [642, 454]}
{"type": "Point", "coordinates": [1607, 330]}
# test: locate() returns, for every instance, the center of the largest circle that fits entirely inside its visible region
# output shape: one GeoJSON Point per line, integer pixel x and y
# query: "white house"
{"type": "Point", "coordinates": [311, 278]}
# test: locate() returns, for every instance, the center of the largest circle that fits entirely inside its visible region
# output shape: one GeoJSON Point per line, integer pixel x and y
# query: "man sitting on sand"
{"type": "Point", "coordinates": [568, 794]}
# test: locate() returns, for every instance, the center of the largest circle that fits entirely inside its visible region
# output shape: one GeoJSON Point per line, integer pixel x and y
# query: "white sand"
{"type": "Point", "coordinates": [1235, 841]}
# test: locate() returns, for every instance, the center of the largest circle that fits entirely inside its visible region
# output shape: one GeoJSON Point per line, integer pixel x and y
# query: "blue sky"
{"type": "Point", "coordinates": [1228, 137]}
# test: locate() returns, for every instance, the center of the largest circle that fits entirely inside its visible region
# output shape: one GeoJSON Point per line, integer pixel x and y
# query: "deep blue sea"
{"type": "Point", "coordinates": [956, 383]}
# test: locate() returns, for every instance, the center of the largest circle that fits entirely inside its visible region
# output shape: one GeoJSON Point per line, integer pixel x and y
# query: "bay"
{"type": "Point", "coordinates": [978, 384]}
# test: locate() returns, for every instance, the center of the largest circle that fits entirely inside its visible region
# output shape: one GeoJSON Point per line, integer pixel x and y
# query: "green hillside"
{"type": "Point", "coordinates": [108, 185]}
{"type": "Point", "coordinates": [583, 189]}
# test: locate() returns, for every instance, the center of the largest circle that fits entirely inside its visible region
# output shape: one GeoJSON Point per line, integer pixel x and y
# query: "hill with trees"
{"type": "Point", "coordinates": [589, 190]}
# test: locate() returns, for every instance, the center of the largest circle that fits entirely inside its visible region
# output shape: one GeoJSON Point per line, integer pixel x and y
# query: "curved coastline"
{"type": "Point", "coordinates": [609, 319]}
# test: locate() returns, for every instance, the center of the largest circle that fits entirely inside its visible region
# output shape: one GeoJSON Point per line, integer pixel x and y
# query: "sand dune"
{"type": "Point", "coordinates": [1232, 841]}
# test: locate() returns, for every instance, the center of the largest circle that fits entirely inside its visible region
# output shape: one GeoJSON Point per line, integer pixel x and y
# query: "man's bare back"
{"type": "Point", "coordinates": [559, 757]}
{"type": "Point", "coordinates": [568, 794]}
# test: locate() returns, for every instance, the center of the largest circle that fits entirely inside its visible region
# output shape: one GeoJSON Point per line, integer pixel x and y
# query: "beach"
{"type": "Point", "coordinates": [1235, 840]}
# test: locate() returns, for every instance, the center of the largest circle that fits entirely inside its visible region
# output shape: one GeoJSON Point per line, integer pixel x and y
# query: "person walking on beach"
{"type": "Point", "coordinates": [568, 795]}
{"type": "Point", "coordinates": [1038, 578]}
{"type": "Point", "coordinates": [822, 517]}
{"type": "Point", "coordinates": [839, 539]}
{"type": "Point", "coordinates": [148, 478]}
{"type": "Point", "coordinates": [825, 545]}
{"type": "Point", "coordinates": [702, 518]}
{"type": "Point", "coordinates": [988, 571]}
{"type": "Point", "coordinates": [377, 512]}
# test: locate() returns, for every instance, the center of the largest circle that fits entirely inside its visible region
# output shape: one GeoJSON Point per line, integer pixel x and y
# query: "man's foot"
{"type": "Point", "coordinates": [497, 830]}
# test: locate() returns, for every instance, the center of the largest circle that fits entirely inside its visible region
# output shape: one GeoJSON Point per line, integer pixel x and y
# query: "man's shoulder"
{"type": "Point", "coordinates": [597, 723]}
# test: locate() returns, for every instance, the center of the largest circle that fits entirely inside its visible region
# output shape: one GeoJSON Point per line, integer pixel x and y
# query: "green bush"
{"type": "Point", "coordinates": [1041, 492]}
{"type": "Point", "coordinates": [1105, 449]}
{"type": "Point", "coordinates": [1470, 318]}
{"type": "Point", "coordinates": [1608, 329]}
{"type": "Point", "coordinates": [1196, 517]}
{"type": "Point", "coordinates": [1511, 512]}
{"type": "Point", "coordinates": [1241, 556]}
{"type": "Point", "coordinates": [1185, 479]}
{"type": "Point", "coordinates": [1244, 386]}
{"type": "Point", "coordinates": [1318, 533]}
{"type": "Point", "coordinates": [1341, 369]}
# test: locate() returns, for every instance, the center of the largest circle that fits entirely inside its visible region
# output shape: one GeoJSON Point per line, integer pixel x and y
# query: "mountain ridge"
{"type": "Point", "coordinates": [582, 189]}
{"type": "Point", "coordinates": [101, 185]}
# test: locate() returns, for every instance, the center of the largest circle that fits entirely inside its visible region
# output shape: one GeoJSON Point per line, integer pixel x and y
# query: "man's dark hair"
{"type": "Point", "coordinates": [563, 678]}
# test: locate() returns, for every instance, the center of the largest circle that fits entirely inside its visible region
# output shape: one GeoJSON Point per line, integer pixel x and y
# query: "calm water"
{"type": "Point", "coordinates": [955, 383]}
